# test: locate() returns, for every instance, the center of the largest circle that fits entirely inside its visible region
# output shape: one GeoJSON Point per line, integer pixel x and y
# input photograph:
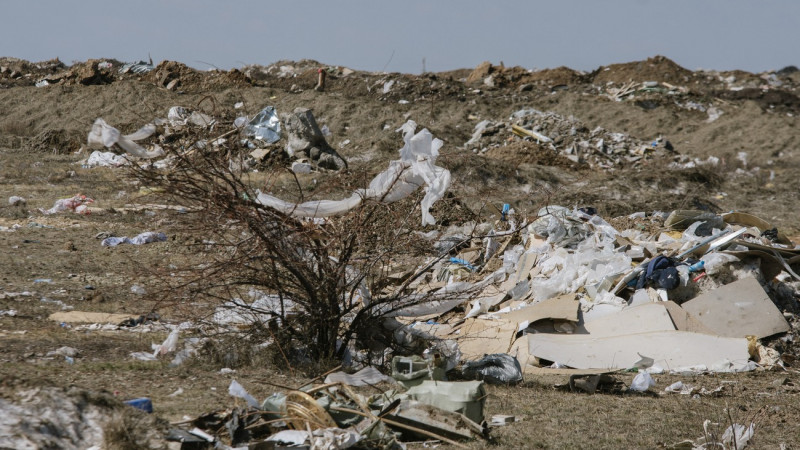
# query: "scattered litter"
{"type": "Point", "coordinates": [365, 377]}
{"type": "Point", "coordinates": [140, 239]}
{"type": "Point", "coordinates": [416, 167]}
{"type": "Point", "coordinates": [15, 200]}
{"type": "Point", "coordinates": [78, 204]}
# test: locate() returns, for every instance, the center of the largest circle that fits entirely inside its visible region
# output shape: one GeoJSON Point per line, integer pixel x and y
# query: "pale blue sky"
{"type": "Point", "coordinates": [752, 35]}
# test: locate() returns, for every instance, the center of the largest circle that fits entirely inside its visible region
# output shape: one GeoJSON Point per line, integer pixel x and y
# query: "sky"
{"type": "Point", "coordinates": [410, 35]}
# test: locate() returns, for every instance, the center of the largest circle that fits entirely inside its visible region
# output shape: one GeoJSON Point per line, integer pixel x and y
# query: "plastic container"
{"type": "Point", "coordinates": [143, 403]}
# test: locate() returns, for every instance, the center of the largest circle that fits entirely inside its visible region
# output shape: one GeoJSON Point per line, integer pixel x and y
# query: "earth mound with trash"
{"type": "Point", "coordinates": [546, 246]}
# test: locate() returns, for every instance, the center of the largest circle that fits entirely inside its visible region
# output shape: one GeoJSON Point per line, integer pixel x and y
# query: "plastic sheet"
{"type": "Point", "coordinates": [143, 238]}
{"type": "Point", "coordinates": [78, 203]}
{"type": "Point", "coordinates": [105, 159]}
{"type": "Point", "coordinates": [104, 135]}
{"type": "Point", "coordinates": [265, 126]}
{"type": "Point", "coordinates": [498, 368]}
{"type": "Point", "coordinates": [237, 390]}
{"type": "Point", "coordinates": [415, 168]}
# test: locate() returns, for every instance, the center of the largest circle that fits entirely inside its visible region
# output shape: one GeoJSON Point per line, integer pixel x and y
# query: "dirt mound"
{"type": "Point", "coordinates": [528, 152]}
{"type": "Point", "coordinates": [55, 141]}
{"type": "Point", "coordinates": [18, 72]}
{"type": "Point", "coordinates": [780, 100]}
{"type": "Point", "coordinates": [560, 76]}
{"type": "Point", "coordinates": [657, 68]}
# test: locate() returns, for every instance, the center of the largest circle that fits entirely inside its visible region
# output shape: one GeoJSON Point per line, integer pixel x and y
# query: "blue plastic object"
{"type": "Point", "coordinates": [464, 263]}
{"type": "Point", "coordinates": [143, 403]}
{"type": "Point", "coordinates": [506, 209]}
{"type": "Point", "coordinates": [696, 267]}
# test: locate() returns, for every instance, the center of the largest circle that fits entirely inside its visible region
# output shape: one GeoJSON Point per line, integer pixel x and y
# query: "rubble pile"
{"type": "Point", "coordinates": [565, 136]}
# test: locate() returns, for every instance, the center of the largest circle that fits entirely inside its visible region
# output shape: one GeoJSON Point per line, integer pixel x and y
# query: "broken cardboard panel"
{"type": "Point", "coordinates": [644, 318]}
{"type": "Point", "coordinates": [463, 397]}
{"type": "Point", "coordinates": [784, 252]}
{"type": "Point", "coordinates": [684, 320]}
{"type": "Point", "coordinates": [479, 337]}
{"type": "Point", "coordinates": [670, 350]}
{"type": "Point", "coordinates": [738, 309]}
{"type": "Point", "coordinates": [435, 420]}
{"type": "Point", "coordinates": [88, 317]}
{"type": "Point", "coordinates": [749, 220]}
{"type": "Point", "coordinates": [564, 307]}
{"type": "Point", "coordinates": [533, 370]}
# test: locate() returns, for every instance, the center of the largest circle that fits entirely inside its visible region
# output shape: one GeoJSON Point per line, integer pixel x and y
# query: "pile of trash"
{"type": "Point", "coordinates": [568, 291]}
{"type": "Point", "coordinates": [412, 405]}
{"type": "Point", "coordinates": [305, 140]}
{"type": "Point", "coordinates": [566, 136]}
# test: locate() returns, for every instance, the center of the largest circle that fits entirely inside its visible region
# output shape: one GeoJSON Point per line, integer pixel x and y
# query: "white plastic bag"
{"type": "Point", "coordinates": [237, 390]}
{"type": "Point", "coordinates": [104, 135]}
{"type": "Point", "coordinates": [642, 382]}
{"type": "Point", "coordinates": [415, 168]}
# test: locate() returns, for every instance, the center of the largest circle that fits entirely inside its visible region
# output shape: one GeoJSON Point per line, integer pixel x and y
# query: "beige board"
{"type": "Point", "coordinates": [88, 317]}
{"type": "Point", "coordinates": [563, 307]}
{"type": "Point", "coordinates": [738, 309]}
{"type": "Point", "coordinates": [478, 337]}
{"type": "Point", "coordinates": [684, 320]}
{"type": "Point", "coordinates": [669, 349]}
{"type": "Point", "coordinates": [636, 319]}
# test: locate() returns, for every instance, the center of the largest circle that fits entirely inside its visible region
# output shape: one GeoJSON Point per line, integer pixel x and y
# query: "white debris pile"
{"type": "Point", "coordinates": [566, 136]}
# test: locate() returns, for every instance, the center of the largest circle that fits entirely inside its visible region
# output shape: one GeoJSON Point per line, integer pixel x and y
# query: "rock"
{"type": "Point", "coordinates": [173, 84]}
{"type": "Point", "coordinates": [301, 167]}
{"type": "Point", "coordinates": [305, 139]}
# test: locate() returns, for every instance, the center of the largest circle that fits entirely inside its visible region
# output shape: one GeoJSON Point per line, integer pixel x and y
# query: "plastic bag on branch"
{"type": "Point", "coordinates": [416, 168]}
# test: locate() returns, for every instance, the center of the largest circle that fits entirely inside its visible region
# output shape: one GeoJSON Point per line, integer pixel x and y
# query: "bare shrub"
{"type": "Point", "coordinates": [313, 288]}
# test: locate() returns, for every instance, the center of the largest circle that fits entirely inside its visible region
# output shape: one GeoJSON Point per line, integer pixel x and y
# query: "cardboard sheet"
{"type": "Point", "coordinates": [563, 307]}
{"type": "Point", "coordinates": [635, 319]}
{"type": "Point", "coordinates": [738, 309]}
{"type": "Point", "coordinates": [684, 320]}
{"type": "Point", "coordinates": [478, 337]}
{"type": "Point", "coordinates": [669, 349]}
{"type": "Point", "coordinates": [88, 317]}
